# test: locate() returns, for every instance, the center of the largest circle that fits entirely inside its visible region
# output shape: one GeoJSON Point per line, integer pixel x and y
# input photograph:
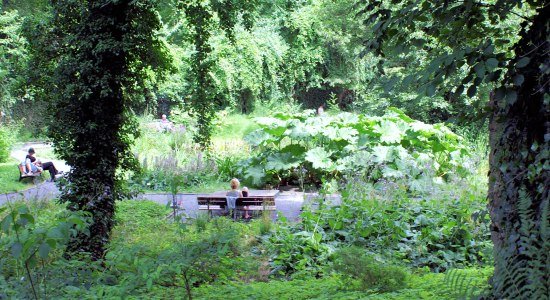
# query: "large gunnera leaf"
{"type": "Point", "coordinates": [390, 132]}
{"type": "Point", "coordinates": [319, 158]}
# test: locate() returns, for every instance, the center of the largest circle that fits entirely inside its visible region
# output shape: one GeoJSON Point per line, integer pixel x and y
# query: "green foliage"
{"type": "Point", "coordinates": [482, 48]}
{"type": "Point", "coordinates": [390, 147]}
{"type": "Point", "coordinates": [102, 64]}
{"type": "Point", "coordinates": [200, 17]}
{"type": "Point", "coordinates": [13, 56]}
{"type": "Point", "coordinates": [439, 232]}
{"type": "Point", "coordinates": [463, 285]}
{"type": "Point", "coordinates": [6, 143]}
{"type": "Point", "coordinates": [355, 263]}
{"type": "Point", "coordinates": [297, 253]}
{"type": "Point", "coordinates": [420, 286]}
{"type": "Point", "coordinates": [149, 254]}
{"type": "Point", "coordinates": [452, 62]}
{"type": "Point", "coordinates": [161, 154]}
{"type": "Point", "coordinates": [28, 244]}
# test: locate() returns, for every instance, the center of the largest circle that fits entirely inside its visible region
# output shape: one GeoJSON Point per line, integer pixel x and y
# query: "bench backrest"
{"type": "Point", "coordinates": [242, 201]}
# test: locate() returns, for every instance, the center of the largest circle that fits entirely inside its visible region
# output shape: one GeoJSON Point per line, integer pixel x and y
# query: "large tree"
{"type": "Point", "coordinates": [103, 48]}
{"type": "Point", "coordinates": [473, 38]}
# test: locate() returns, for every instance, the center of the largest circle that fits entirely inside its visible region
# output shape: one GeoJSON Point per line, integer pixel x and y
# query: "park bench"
{"type": "Point", "coordinates": [218, 202]}
{"type": "Point", "coordinates": [35, 176]}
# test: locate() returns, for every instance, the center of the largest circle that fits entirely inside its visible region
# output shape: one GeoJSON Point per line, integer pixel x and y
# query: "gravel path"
{"type": "Point", "coordinates": [289, 203]}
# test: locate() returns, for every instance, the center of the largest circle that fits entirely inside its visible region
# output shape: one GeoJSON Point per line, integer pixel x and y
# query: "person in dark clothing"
{"type": "Point", "coordinates": [45, 166]}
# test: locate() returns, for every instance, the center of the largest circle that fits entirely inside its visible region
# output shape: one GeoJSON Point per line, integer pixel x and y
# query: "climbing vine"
{"type": "Point", "coordinates": [204, 17]}
{"type": "Point", "coordinates": [102, 60]}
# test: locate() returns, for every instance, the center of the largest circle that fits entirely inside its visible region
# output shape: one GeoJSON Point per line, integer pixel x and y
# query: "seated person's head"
{"type": "Point", "coordinates": [31, 151]}
{"type": "Point", "coordinates": [234, 183]}
{"type": "Point", "coordinates": [163, 117]}
{"type": "Point", "coordinates": [245, 189]}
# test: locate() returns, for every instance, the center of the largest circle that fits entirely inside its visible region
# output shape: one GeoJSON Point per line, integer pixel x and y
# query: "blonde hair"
{"type": "Point", "coordinates": [235, 183]}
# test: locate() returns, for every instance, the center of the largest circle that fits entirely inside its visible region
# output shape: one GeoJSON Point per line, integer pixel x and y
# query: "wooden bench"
{"type": "Point", "coordinates": [219, 203]}
{"type": "Point", "coordinates": [35, 176]}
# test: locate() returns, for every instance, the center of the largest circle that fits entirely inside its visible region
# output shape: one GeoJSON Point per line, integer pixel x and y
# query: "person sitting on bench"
{"type": "Point", "coordinates": [235, 193]}
{"type": "Point", "coordinates": [27, 167]}
{"type": "Point", "coordinates": [37, 164]}
{"type": "Point", "coordinates": [165, 125]}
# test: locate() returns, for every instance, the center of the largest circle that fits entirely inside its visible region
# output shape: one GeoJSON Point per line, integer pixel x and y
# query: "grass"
{"type": "Point", "coordinates": [142, 232]}
{"type": "Point", "coordinates": [421, 286]}
{"type": "Point", "coordinates": [9, 176]}
{"type": "Point", "coordinates": [234, 126]}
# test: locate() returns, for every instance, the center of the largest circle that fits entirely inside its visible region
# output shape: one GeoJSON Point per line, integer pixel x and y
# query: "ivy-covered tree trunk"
{"type": "Point", "coordinates": [107, 44]}
{"type": "Point", "coordinates": [520, 170]}
{"type": "Point", "coordinates": [94, 115]}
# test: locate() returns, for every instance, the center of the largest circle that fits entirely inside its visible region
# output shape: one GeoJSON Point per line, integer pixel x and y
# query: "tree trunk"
{"type": "Point", "coordinates": [519, 170]}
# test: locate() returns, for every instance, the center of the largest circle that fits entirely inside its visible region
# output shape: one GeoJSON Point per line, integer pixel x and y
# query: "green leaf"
{"type": "Point", "coordinates": [511, 96]}
{"type": "Point", "coordinates": [523, 62]}
{"type": "Point", "coordinates": [390, 132]}
{"type": "Point", "coordinates": [430, 90]}
{"type": "Point", "coordinates": [489, 50]}
{"type": "Point", "coordinates": [295, 149]}
{"type": "Point", "coordinates": [389, 172]}
{"type": "Point", "coordinates": [300, 131]}
{"type": "Point", "coordinates": [519, 79]}
{"type": "Point", "coordinates": [347, 134]}
{"type": "Point", "coordinates": [479, 68]}
{"type": "Point", "coordinates": [16, 249]}
{"type": "Point", "coordinates": [491, 64]}
{"type": "Point", "coordinates": [282, 161]}
{"type": "Point", "coordinates": [381, 153]}
{"type": "Point", "coordinates": [459, 90]}
{"type": "Point", "coordinates": [257, 137]}
{"type": "Point", "coordinates": [255, 173]}
{"type": "Point", "coordinates": [319, 158]}
{"type": "Point", "coordinates": [149, 283]}
{"type": "Point", "coordinates": [44, 250]}
{"type": "Point", "coordinates": [25, 219]}
{"type": "Point", "coordinates": [500, 93]}
{"type": "Point", "coordinates": [6, 223]}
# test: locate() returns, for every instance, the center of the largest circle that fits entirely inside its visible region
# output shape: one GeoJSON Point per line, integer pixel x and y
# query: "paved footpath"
{"type": "Point", "coordinates": [289, 203]}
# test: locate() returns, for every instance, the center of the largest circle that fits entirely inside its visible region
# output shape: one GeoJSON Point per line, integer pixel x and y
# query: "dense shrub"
{"type": "Point", "coordinates": [305, 147]}
{"type": "Point", "coordinates": [6, 141]}
{"type": "Point", "coordinates": [297, 253]}
{"type": "Point", "coordinates": [355, 263]}
{"type": "Point", "coordinates": [439, 232]}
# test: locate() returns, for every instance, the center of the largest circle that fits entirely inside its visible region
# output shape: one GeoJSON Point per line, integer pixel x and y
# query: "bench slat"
{"type": "Point", "coordinates": [253, 203]}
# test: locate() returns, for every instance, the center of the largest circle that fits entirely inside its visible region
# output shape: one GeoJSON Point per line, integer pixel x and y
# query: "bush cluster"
{"type": "Point", "coordinates": [6, 141]}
